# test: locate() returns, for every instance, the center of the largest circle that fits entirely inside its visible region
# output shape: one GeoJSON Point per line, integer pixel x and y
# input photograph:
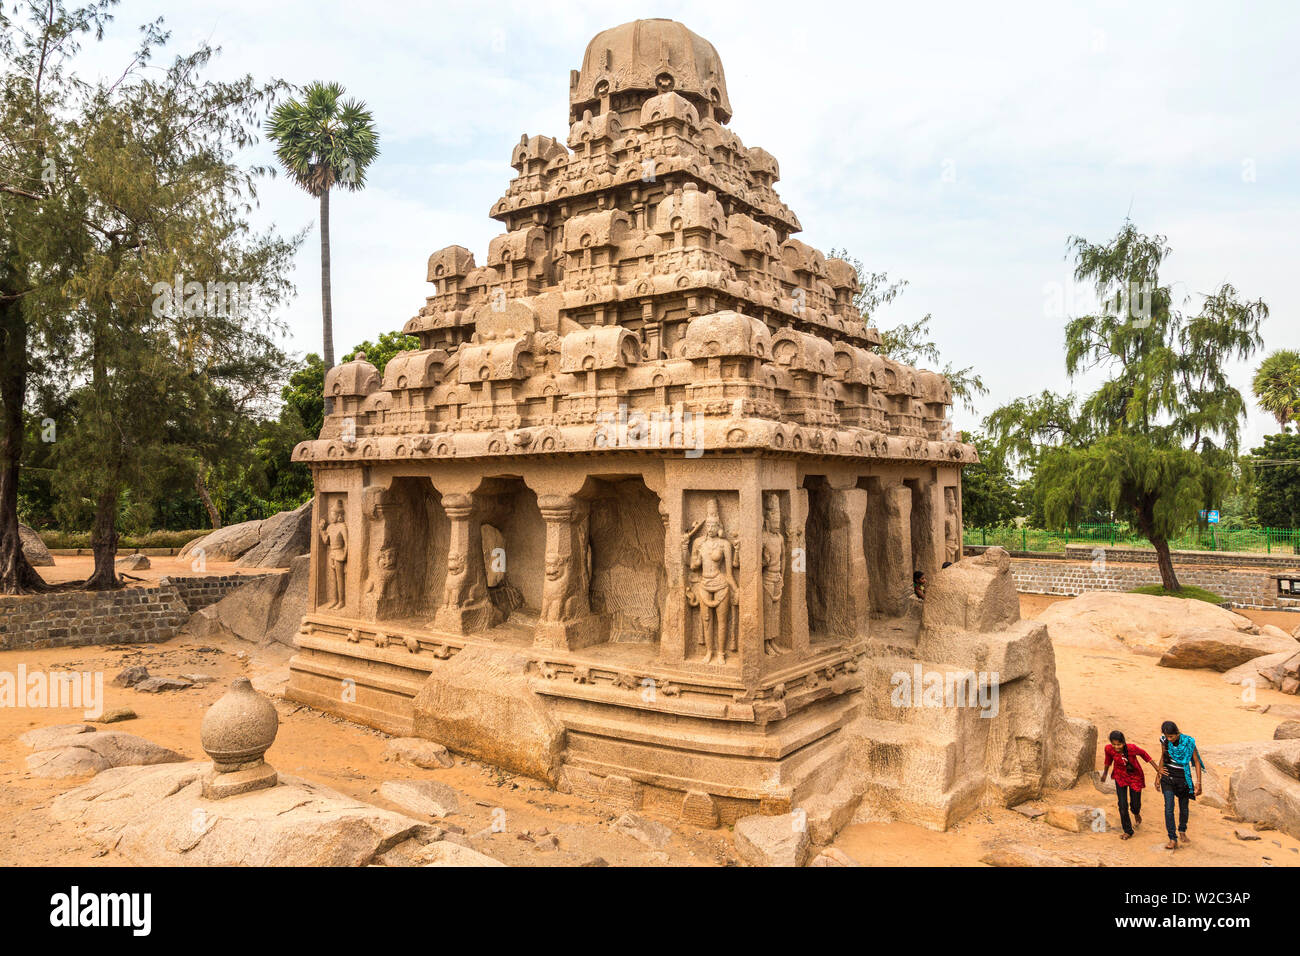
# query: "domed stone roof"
{"type": "Point", "coordinates": [650, 56]}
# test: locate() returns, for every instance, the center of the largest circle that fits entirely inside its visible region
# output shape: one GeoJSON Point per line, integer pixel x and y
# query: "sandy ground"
{"type": "Point", "coordinates": [79, 568]}
{"type": "Point", "coordinates": [1124, 692]}
{"type": "Point", "coordinates": [1131, 694]}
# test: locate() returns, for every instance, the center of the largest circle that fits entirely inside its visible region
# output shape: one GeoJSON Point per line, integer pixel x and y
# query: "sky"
{"type": "Point", "coordinates": [954, 145]}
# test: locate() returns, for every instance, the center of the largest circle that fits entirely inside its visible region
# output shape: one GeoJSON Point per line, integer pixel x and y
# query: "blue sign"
{"type": "Point", "coordinates": [1213, 517]}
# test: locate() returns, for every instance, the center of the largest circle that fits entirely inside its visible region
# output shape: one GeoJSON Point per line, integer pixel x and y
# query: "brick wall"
{"type": "Point", "coordinates": [126, 616]}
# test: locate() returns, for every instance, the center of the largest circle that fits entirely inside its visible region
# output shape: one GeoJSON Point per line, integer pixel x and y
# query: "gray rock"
{"type": "Point", "coordinates": [264, 610]}
{"type": "Point", "coordinates": [650, 832]}
{"type": "Point", "coordinates": [423, 797]}
{"type": "Point", "coordinates": [131, 676]}
{"type": "Point", "coordinates": [43, 737]}
{"type": "Point", "coordinates": [417, 752]}
{"type": "Point", "coordinates": [80, 753]}
{"type": "Point", "coordinates": [1287, 730]}
{"type": "Point", "coordinates": [225, 544]}
{"type": "Point", "coordinates": [156, 685]}
{"type": "Point", "coordinates": [772, 841]}
{"type": "Point", "coordinates": [831, 856]}
{"type": "Point", "coordinates": [157, 816]}
{"type": "Point", "coordinates": [116, 715]}
{"type": "Point", "coordinates": [446, 853]}
{"type": "Point", "coordinates": [283, 537]}
{"type": "Point", "coordinates": [38, 556]}
{"type": "Point", "coordinates": [133, 562]}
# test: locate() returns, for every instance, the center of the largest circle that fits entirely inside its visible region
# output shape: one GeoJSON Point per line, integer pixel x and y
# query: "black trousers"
{"type": "Point", "coordinates": [1128, 799]}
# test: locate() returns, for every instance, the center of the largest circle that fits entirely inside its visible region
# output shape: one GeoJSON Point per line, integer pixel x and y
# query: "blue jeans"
{"type": "Point", "coordinates": [1170, 796]}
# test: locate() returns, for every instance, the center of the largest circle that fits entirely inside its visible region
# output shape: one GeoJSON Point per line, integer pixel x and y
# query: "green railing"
{"type": "Point", "coordinates": [1207, 538]}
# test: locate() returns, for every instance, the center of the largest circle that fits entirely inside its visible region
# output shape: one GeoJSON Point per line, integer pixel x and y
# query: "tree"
{"type": "Point", "coordinates": [1276, 467]}
{"type": "Point", "coordinates": [42, 229]}
{"type": "Point", "coordinates": [324, 141]}
{"type": "Point", "coordinates": [1277, 386]}
{"type": "Point", "coordinates": [988, 490]}
{"type": "Point", "coordinates": [1157, 440]}
{"type": "Point", "coordinates": [908, 342]}
{"type": "Point", "coordinates": [169, 308]}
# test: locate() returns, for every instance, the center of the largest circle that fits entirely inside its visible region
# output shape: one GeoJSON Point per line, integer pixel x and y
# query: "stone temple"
{"type": "Point", "coordinates": [640, 516]}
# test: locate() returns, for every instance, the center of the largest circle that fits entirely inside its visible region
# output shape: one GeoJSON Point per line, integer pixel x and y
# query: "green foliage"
{"type": "Point", "coordinates": [80, 540]}
{"type": "Point", "coordinates": [1187, 591]}
{"type": "Point", "coordinates": [1277, 386]}
{"type": "Point", "coordinates": [324, 141]}
{"type": "Point", "coordinates": [1277, 482]}
{"type": "Point", "coordinates": [988, 490]}
{"type": "Point", "coordinates": [390, 344]}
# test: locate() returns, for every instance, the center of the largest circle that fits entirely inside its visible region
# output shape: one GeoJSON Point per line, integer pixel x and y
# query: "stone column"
{"type": "Point", "coordinates": [858, 584]}
{"type": "Point", "coordinates": [889, 550]}
{"type": "Point", "coordinates": [566, 620]}
{"type": "Point", "coordinates": [465, 605]}
{"type": "Point", "coordinates": [797, 586]}
{"type": "Point", "coordinates": [927, 525]}
{"type": "Point", "coordinates": [672, 636]}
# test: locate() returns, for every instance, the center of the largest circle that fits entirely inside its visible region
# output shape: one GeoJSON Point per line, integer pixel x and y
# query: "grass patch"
{"type": "Point", "coordinates": [1188, 591]}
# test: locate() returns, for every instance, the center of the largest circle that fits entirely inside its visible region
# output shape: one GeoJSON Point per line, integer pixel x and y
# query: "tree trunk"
{"type": "Point", "coordinates": [201, 486]}
{"type": "Point", "coordinates": [326, 307]}
{"type": "Point", "coordinates": [103, 542]}
{"type": "Point", "coordinates": [1166, 563]}
{"type": "Point", "coordinates": [17, 576]}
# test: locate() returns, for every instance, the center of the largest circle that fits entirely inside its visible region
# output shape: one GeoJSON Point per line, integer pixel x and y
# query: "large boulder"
{"type": "Point", "coordinates": [977, 594]}
{"type": "Point", "coordinates": [38, 556]}
{"type": "Point", "coordinates": [480, 704]}
{"type": "Point", "coordinates": [1267, 790]}
{"type": "Point", "coordinates": [1223, 648]}
{"type": "Point", "coordinates": [158, 816]}
{"type": "Point", "coordinates": [225, 544]}
{"type": "Point", "coordinates": [267, 609]}
{"type": "Point", "coordinates": [1142, 623]}
{"type": "Point", "coordinates": [1261, 670]}
{"type": "Point", "coordinates": [1223, 765]}
{"type": "Point", "coordinates": [284, 536]}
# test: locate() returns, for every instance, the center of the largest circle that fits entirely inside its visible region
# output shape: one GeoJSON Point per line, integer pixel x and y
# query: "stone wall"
{"type": "Point", "coordinates": [1215, 559]}
{"type": "Point", "coordinates": [126, 616]}
{"type": "Point", "coordinates": [1039, 575]}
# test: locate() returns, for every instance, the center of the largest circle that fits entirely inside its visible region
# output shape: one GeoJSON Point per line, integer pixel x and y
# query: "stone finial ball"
{"type": "Point", "coordinates": [240, 727]}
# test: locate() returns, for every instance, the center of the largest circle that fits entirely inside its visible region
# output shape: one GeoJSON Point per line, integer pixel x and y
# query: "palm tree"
{"type": "Point", "coordinates": [1277, 386]}
{"type": "Point", "coordinates": [324, 142]}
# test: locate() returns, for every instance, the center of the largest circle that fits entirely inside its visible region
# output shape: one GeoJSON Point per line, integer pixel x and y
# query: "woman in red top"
{"type": "Point", "coordinates": [1123, 757]}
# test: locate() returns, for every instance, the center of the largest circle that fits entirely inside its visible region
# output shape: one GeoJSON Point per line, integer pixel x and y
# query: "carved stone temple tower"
{"type": "Point", "coordinates": [645, 504]}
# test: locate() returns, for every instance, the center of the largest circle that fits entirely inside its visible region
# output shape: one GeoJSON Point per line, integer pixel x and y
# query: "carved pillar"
{"type": "Point", "coordinates": [927, 525]}
{"type": "Point", "coordinates": [889, 549]}
{"type": "Point", "coordinates": [672, 636]}
{"type": "Point", "coordinates": [797, 589]}
{"type": "Point", "coordinates": [858, 583]}
{"type": "Point", "coordinates": [566, 620]}
{"type": "Point", "coordinates": [465, 605]}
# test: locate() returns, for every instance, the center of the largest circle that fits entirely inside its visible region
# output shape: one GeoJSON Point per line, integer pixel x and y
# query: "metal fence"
{"type": "Point", "coordinates": [1208, 538]}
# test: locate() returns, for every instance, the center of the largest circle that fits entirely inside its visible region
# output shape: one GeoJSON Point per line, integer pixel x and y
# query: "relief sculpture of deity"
{"type": "Point", "coordinates": [712, 584]}
{"type": "Point", "coordinates": [773, 576]}
{"type": "Point", "coordinates": [334, 535]}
